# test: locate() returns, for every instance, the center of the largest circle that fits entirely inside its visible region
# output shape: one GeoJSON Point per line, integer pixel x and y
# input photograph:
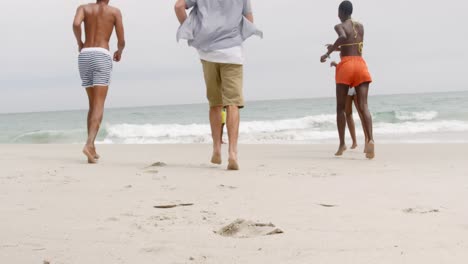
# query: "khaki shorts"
{"type": "Point", "coordinates": [223, 84]}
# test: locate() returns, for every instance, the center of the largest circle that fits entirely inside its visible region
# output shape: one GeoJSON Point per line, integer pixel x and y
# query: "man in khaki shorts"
{"type": "Point", "coordinates": [217, 29]}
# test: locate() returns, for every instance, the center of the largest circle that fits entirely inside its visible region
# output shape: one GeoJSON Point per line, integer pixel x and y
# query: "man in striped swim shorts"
{"type": "Point", "coordinates": [95, 60]}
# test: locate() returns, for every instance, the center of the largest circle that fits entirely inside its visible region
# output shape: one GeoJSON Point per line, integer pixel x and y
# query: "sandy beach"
{"type": "Point", "coordinates": [406, 206]}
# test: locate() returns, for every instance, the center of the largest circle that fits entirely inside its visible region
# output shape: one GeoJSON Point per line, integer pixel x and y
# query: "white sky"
{"type": "Point", "coordinates": [411, 46]}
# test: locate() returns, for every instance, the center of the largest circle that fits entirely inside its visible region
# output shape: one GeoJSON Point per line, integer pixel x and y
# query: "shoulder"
{"type": "Point", "coordinates": [81, 7]}
{"type": "Point", "coordinates": [82, 10]}
{"type": "Point", "coordinates": [360, 25]}
{"type": "Point", "coordinates": [86, 7]}
{"type": "Point", "coordinates": [116, 11]}
{"type": "Point", "coordinates": [339, 26]}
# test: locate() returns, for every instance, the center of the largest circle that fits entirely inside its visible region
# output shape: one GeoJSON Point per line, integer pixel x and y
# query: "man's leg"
{"type": "Point", "coordinates": [90, 94]}
{"type": "Point", "coordinates": [216, 123]}
{"type": "Point", "coordinates": [350, 120]}
{"type": "Point", "coordinates": [232, 122]}
{"type": "Point", "coordinates": [98, 95]}
{"type": "Point", "coordinates": [212, 76]}
{"type": "Point", "coordinates": [341, 94]}
{"type": "Point", "coordinates": [362, 92]}
{"type": "Point", "coordinates": [232, 83]}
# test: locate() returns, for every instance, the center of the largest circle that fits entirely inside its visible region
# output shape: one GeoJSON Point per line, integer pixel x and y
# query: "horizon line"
{"type": "Point", "coordinates": [186, 104]}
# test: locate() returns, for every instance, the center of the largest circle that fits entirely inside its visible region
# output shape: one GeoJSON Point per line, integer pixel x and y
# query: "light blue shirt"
{"type": "Point", "coordinates": [217, 24]}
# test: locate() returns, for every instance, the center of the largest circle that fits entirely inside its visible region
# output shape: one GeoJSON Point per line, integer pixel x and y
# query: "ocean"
{"type": "Point", "coordinates": [405, 118]}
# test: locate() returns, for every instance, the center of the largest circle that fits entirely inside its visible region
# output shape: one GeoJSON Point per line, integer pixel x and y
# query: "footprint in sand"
{"type": "Point", "coordinates": [151, 169]}
{"type": "Point", "coordinates": [158, 164]}
{"type": "Point", "coordinates": [210, 213]}
{"type": "Point", "coordinates": [112, 219]}
{"type": "Point", "coordinates": [154, 250]}
{"type": "Point", "coordinates": [328, 205]}
{"type": "Point", "coordinates": [207, 215]}
{"type": "Point", "coordinates": [246, 229]}
{"type": "Point", "coordinates": [160, 218]}
{"type": "Point", "coordinates": [227, 187]}
{"type": "Point", "coordinates": [419, 210]}
{"type": "Point", "coordinates": [169, 206]}
{"type": "Point", "coordinates": [202, 258]}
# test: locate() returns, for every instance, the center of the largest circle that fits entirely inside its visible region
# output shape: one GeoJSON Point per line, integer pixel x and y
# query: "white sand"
{"type": "Point", "coordinates": [409, 205]}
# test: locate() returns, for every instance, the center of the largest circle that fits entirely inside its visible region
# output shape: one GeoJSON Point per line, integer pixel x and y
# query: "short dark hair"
{"type": "Point", "coordinates": [346, 8]}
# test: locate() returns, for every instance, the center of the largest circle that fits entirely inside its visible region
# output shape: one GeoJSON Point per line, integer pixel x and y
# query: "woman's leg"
{"type": "Point", "coordinates": [341, 94]}
{"type": "Point", "coordinates": [362, 93]}
{"type": "Point", "coordinates": [356, 104]}
{"type": "Point", "coordinates": [222, 133]}
{"type": "Point", "coordinates": [350, 120]}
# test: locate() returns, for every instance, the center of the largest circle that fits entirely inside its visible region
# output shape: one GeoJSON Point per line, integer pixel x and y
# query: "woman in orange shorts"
{"type": "Point", "coordinates": [350, 99]}
{"type": "Point", "coordinates": [352, 71]}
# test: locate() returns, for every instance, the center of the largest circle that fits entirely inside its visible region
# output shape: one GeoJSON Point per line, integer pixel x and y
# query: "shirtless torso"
{"type": "Point", "coordinates": [353, 32]}
{"type": "Point", "coordinates": [99, 21]}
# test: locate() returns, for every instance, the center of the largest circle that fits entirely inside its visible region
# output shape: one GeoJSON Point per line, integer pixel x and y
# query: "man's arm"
{"type": "Point", "coordinates": [250, 17]}
{"type": "Point", "coordinates": [180, 10]}
{"type": "Point", "coordinates": [119, 29]}
{"type": "Point", "coordinates": [247, 11]}
{"type": "Point", "coordinates": [79, 18]}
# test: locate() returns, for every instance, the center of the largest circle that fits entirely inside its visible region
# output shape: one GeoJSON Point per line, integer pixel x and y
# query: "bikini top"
{"type": "Point", "coordinates": [359, 44]}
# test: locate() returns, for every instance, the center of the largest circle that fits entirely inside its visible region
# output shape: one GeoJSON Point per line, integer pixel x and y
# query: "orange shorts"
{"type": "Point", "coordinates": [352, 71]}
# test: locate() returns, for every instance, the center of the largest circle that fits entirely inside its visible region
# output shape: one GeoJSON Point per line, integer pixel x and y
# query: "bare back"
{"type": "Point", "coordinates": [354, 38]}
{"type": "Point", "coordinates": [99, 22]}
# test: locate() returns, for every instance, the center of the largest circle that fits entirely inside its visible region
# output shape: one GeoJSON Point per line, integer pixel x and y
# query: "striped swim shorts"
{"type": "Point", "coordinates": [95, 65]}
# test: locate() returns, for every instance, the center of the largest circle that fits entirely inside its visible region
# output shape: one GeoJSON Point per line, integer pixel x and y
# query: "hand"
{"type": "Point", "coordinates": [117, 56]}
{"type": "Point", "coordinates": [324, 58]}
{"type": "Point", "coordinates": [333, 64]}
{"type": "Point", "coordinates": [80, 46]}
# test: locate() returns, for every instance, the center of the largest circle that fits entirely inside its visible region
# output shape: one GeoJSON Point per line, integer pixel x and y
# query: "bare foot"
{"type": "Point", "coordinates": [365, 147]}
{"type": "Point", "coordinates": [96, 156]}
{"type": "Point", "coordinates": [341, 150]}
{"type": "Point", "coordinates": [370, 151]}
{"type": "Point", "coordinates": [216, 159]}
{"type": "Point", "coordinates": [354, 146]}
{"type": "Point", "coordinates": [233, 165]}
{"type": "Point", "coordinates": [89, 154]}
{"type": "Point", "coordinates": [93, 152]}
